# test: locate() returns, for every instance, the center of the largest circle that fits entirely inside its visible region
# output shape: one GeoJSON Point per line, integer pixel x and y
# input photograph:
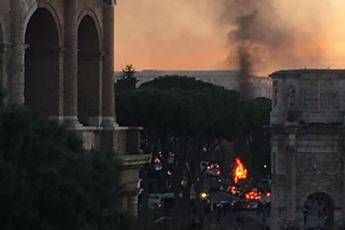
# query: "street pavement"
{"type": "Point", "coordinates": [229, 220]}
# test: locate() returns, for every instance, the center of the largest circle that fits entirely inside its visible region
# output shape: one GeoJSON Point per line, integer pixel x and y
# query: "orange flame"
{"type": "Point", "coordinates": [240, 172]}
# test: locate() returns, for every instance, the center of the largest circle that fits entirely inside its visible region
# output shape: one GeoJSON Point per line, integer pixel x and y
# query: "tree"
{"type": "Point", "coordinates": [254, 139]}
{"type": "Point", "coordinates": [128, 80]}
{"type": "Point", "coordinates": [185, 117]}
{"type": "Point", "coordinates": [48, 182]}
{"type": "Point", "coordinates": [179, 82]}
{"type": "Point", "coordinates": [128, 72]}
{"type": "Point", "coordinates": [192, 119]}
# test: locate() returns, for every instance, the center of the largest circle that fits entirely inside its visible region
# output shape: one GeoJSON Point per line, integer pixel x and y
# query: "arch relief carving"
{"type": "Point", "coordinates": [312, 165]}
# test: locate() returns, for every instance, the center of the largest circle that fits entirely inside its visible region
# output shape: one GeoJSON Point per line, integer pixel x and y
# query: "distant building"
{"type": "Point", "coordinates": [225, 78]}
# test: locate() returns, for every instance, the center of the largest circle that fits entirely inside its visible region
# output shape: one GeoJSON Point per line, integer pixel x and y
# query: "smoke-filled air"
{"type": "Point", "coordinates": [260, 38]}
{"type": "Point", "coordinates": [257, 36]}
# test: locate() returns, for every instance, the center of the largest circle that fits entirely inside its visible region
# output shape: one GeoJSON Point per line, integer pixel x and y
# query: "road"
{"type": "Point", "coordinates": [228, 221]}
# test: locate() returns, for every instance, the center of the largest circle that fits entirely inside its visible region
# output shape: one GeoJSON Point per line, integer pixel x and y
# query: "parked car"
{"type": "Point", "coordinates": [224, 204]}
{"type": "Point", "coordinates": [160, 200]}
{"type": "Point", "coordinates": [241, 205]}
{"type": "Point", "coordinates": [154, 201]}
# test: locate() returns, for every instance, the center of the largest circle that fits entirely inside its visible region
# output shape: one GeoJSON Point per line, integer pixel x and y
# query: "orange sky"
{"type": "Point", "coordinates": [185, 34]}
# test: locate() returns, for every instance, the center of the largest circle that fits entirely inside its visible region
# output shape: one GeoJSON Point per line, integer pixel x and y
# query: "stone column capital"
{"type": "Point", "coordinates": [19, 47]}
{"type": "Point", "coordinates": [5, 46]}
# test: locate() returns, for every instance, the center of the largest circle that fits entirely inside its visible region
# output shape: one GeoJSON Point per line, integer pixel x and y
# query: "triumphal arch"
{"type": "Point", "coordinates": [307, 138]}
{"type": "Point", "coordinates": [57, 57]}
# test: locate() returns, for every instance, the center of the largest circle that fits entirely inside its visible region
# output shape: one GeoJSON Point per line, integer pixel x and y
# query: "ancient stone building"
{"type": "Point", "coordinates": [57, 57]}
{"type": "Point", "coordinates": [307, 138]}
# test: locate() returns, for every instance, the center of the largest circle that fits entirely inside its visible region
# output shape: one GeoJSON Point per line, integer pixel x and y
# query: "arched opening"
{"type": "Point", "coordinates": [318, 212]}
{"type": "Point", "coordinates": [42, 64]}
{"type": "Point", "coordinates": [89, 73]}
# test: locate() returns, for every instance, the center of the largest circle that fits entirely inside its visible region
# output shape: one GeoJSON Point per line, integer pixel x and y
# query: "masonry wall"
{"type": "Point", "coordinates": [16, 15]}
{"type": "Point", "coordinates": [312, 164]}
{"type": "Point", "coordinates": [307, 138]}
{"type": "Point", "coordinates": [65, 73]}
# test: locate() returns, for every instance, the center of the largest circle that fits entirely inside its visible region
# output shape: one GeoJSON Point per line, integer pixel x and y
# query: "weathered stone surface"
{"type": "Point", "coordinates": [307, 140]}
{"type": "Point", "coordinates": [57, 57]}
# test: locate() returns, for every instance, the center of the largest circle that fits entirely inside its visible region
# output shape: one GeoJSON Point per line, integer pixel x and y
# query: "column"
{"type": "Point", "coordinates": [292, 171]}
{"type": "Point", "coordinates": [16, 81]}
{"type": "Point", "coordinates": [2, 72]}
{"type": "Point", "coordinates": [16, 58]}
{"type": "Point", "coordinates": [70, 94]}
{"type": "Point", "coordinates": [132, 204]}
{"type": "Point", "coordinates": [276, 183]}
{"type": "Point", "coordinates": [61, 58]}
{"type": "Point", "coordinates": [342, 148]}
{"type": "Point", "coordinates": [56, 105]}
{"type": "Point", "coordinates": [108, 104]}
{"type": "Point", "coordinates": [124, 201]}
{"type": "Point", "coordinates": [4, 48]}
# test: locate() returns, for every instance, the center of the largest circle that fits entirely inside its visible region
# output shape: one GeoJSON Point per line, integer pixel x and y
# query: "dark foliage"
{"type": "Point", "coordinates": [127, 81]}
{"type": "Point", "coordinates": [48, 182]}
{"type": "Point", "coordinates": [179, 82]}
{"type": "Point", "coordinates": [174, 106]}
{"type": "Point", "coordinates": [180, 106]}
{"type": "Point", "coordinates": [192, 119]}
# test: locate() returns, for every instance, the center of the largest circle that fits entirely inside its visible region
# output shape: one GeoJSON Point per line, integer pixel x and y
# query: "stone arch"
{"type": "Point", "coordinates": [92, 14]}
{"type": "Point", "coordinates": [89, 72]}
{"type": "Point", "coordinates": [318, 211]}
{"type": "Point", "coordinates": [41, 90]}
{"type": "Point", "coordinates": [53, 13]}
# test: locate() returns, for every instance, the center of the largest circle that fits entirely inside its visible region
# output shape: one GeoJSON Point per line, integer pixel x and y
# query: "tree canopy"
{"type": "Point", "coordinates": [48, 182]}
{"type": "Point", "coordinates": [180, 106]}
{"type": "Point", "coordinates": [127, 80]}
{"type": "Point", "coordinates": [190, 119]}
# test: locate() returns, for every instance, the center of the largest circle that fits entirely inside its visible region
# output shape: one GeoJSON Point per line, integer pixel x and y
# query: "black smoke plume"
{"type": "Point", "coordinates": [260, 38]}
{"type": "Point", "coordinates": [253, 33]}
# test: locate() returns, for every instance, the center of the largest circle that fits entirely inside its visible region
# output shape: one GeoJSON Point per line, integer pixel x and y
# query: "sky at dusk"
{"type": "Point", "coordinates": [194, 35]}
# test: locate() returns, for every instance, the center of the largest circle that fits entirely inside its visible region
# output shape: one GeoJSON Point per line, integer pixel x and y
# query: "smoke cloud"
{"type": "Point", "coordinates": [204, 34]}
{"type": "Point", "coordinates": [262, 38]}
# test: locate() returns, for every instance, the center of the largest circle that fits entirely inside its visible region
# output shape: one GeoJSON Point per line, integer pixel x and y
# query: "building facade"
{"type": "Point", "coordinates": [226, 78]}
{"type": "Point", "coordinates": [57, 57]}
{"type": "Point", "coordinates": [308, 153]}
